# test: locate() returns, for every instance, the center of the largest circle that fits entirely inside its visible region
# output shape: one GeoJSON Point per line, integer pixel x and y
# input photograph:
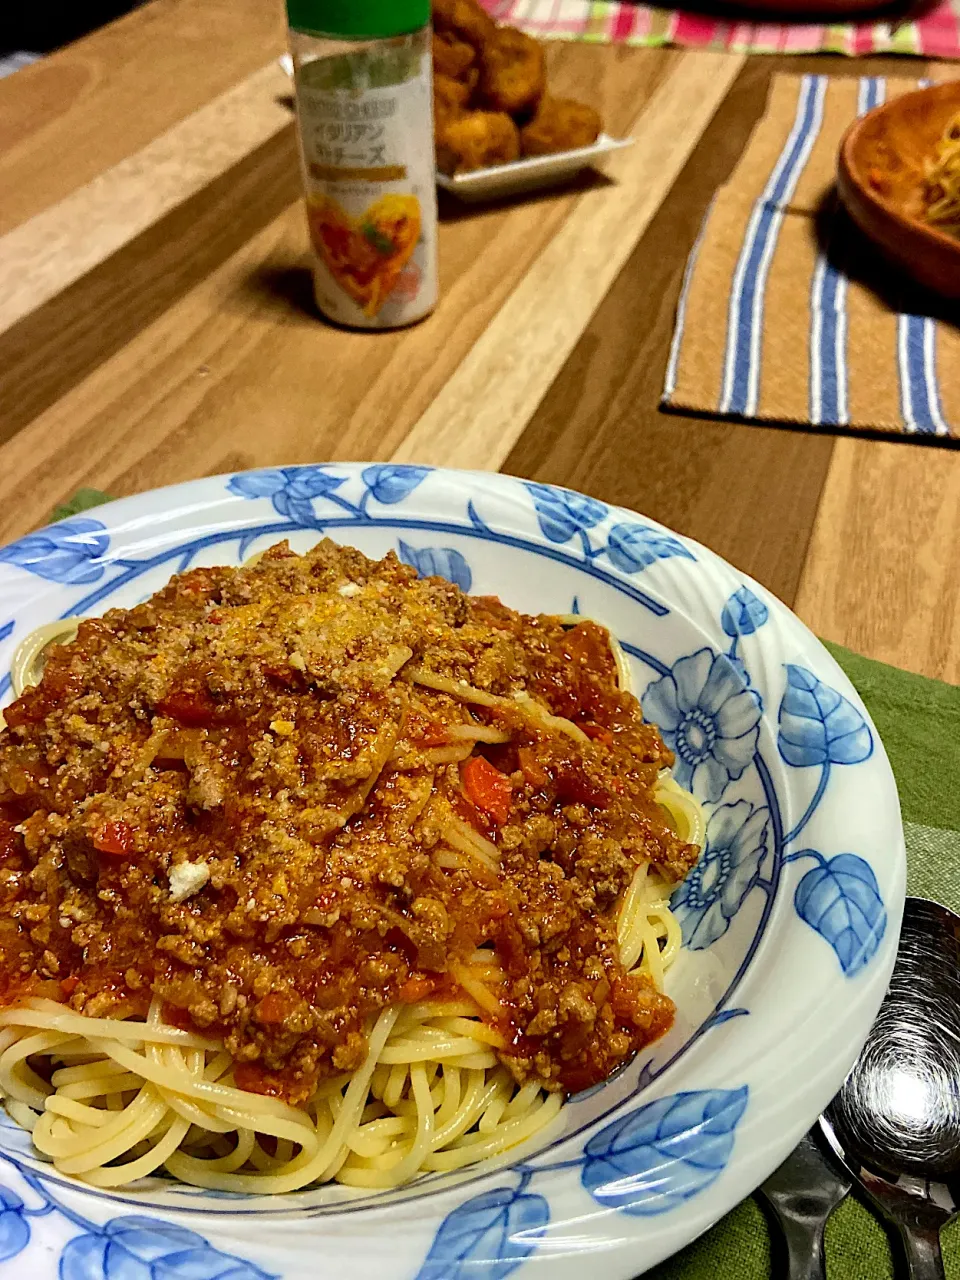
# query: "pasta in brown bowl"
{"type": "Point", "coordinates": [941, 185]}
{"type": "Point", "coordinates": [313, 870]}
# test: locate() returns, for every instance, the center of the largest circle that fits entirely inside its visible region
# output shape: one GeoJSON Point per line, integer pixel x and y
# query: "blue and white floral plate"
{"type": "Point", "coordinates": [790, 920]}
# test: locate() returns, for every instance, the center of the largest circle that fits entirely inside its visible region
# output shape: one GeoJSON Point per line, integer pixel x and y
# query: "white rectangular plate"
{"type": "Point", "coordinates": [530, 174]}
{"type": "Point", "coordinates": [521, 175]}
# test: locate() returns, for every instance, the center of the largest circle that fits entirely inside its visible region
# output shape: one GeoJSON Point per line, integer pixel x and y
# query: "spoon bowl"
{"type": "Point", "coordinates": [896, 1122]}
{"type": "Point", "coordinates": [899, 1109]}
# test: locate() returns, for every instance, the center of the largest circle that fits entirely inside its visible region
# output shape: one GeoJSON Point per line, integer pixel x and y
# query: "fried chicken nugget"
{"type": "Point", "coordinates": [453, 57]}
{"type": "Point", "coordinates": [450, 98]}
{"type": "Point", "coordinates": [476, 140]}
{"type": "Point", "coordinates": [464, 19]}
{"type": "Point", "coordinates": [513, 72]}
{"type": "Point", "coordinates": [560, 125]}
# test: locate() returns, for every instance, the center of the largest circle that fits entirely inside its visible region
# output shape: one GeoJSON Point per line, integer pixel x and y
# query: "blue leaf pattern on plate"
{"type": "Point", "coordinates": [257, 484]}
{"type": "Point", "coordinates": [139, 1248]}
{"type": "Point", "coordinates": [655, 1158]}
{"type": "Point", "coordinates": [67, 552]}
{"type": "Point", "coordinates": [562, 514]}
{"type": "Point", "coordinates": [392, 482]}
{"type": "Point", "coordinates": [14, 1229]}
{"type": "Point", "coordinates": [840, 898]}
{"type": "Point", "coordinates": [486, 1238]}
{"type": "Point", "coordinates": [708, 717]}
{"type": "Point", "coordinates": [818, 725]}
{"type": "Point", "coordinates": [439, 562]}
{"type": "Point", "coordinates": [743, 614]}
{"type": "Point", "coordinates": [726, 871]}
{"type": "Point", "coordinates": [631, 547]}
{"type": "Point", "coordinates": [7, 629]}
{"type": "Point", "coordinates": [290, 489]}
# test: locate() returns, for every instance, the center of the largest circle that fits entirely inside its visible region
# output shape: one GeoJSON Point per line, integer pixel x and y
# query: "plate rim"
{"type": "Point", "coordinates": [555, 162]}
{"type": "Point", "coordinates": [124, 507]}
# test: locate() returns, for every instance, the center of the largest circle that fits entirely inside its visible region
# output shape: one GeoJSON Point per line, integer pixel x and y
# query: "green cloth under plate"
{"type": "Point", "coordinates": [919, 722]}
{"type": "Point", "coordinates": [82, 500]}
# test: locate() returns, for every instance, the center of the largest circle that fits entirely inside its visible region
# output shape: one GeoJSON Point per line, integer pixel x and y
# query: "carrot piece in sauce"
{"type": "Point", "coordinates": [192, 707]}
{"type": "Point", "coordinates": [114, 838]}
{"type": "Point", "coordinates": [415, 989]}
{"type": "Point", "coordinates": [533, 770]}
{"type": "Point", "coordinates": [433, 733]}
{"type": "Point", "coordinates": [275, 1007]}
{"type": "Point", "coordinates": [487, 788]}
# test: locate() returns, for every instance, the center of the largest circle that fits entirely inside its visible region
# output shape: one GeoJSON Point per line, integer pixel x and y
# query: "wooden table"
{"type": "Point", "coordinates": [156, 320]}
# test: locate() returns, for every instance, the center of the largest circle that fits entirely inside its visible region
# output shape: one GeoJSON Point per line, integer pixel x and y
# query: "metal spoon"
{"type": "Point", "coordinates": [895, 1124]}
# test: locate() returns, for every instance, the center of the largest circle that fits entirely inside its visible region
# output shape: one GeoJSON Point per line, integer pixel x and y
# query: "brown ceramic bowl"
{"type": "Point", "coordinates": [810, 10]}
{"type": "Point", "coordinates": [880, 180]}
{"type": "Point", "coordinates": [804, 10]}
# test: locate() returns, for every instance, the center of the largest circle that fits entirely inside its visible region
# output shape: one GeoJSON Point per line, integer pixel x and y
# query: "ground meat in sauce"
{"type": "Point", "coordinates": [229, 798]}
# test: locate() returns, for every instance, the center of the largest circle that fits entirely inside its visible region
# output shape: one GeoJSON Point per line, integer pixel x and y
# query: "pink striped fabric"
{"type": "Point", "coordinates": [935, 35]}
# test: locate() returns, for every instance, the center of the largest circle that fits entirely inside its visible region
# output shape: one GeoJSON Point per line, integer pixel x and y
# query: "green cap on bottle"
{"type": "Point", "coordinates": [358, 19]}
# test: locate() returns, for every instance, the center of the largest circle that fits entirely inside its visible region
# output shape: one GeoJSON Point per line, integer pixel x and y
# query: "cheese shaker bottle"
{"type": "Point", "coordinates": [364, 92]}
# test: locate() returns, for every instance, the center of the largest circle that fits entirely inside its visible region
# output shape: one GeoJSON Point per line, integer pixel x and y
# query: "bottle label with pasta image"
{"type": "Point", "coordinates": [367, 144]}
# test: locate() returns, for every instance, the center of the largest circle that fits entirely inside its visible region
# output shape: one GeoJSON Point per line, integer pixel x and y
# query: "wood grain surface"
{"type": "Point", "coordinates": [542, 320]}
{"type": "Point", "coordinates": [751, 493]}
{"type": "Point", "coordinates": [69, 118]}
{"type": "Point", "coordinates": [881, 573]}
{"type": "Point", "coordinates": [239, 367]}
{"type": "Point", "coordinates": [53, 249]}
{"type": "Point", "coordinates": [157, 323]}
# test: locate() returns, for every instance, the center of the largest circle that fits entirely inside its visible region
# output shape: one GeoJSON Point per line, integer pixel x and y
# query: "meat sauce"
{"type": "Point", "coordinates": [233, 799]}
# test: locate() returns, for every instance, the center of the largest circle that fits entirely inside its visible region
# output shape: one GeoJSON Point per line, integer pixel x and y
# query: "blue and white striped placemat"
{"type": "Point", "coordinates": [786, 313]}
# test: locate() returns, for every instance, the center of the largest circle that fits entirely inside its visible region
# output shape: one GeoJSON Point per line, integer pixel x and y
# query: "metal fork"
{"type": "Point", "coordinates": [801, 1195]}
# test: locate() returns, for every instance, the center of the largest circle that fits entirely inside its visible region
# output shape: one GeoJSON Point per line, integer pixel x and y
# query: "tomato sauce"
{"type": "Point", "coordinates": [230, 799]}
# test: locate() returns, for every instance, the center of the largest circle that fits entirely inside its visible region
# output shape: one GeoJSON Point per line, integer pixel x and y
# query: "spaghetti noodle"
{"type": "Point", "coordinates": [409, 1013]}
{"type": "Point", "coordinates": [941, 187]}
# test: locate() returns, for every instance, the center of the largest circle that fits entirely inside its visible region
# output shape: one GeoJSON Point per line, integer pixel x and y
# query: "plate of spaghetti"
{"type": "Point", "coordinates": [410, 873]}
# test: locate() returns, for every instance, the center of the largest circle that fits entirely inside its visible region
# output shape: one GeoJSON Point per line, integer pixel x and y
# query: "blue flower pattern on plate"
{"type": "Point", "coordinates": [68, 552]}
{"type": "Point", "coordinates": [727, 870]}
{"type": "Point", "coordinates": [487, 1237]}
{"type": "Point", "coordinates": [708, 717]}
{"type": "Point", "coordinates": [840, 898]}
{"type": "Point", "coordinates": [662, 1154]}
{"type": "Point", "coordinates": [437, 562]}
